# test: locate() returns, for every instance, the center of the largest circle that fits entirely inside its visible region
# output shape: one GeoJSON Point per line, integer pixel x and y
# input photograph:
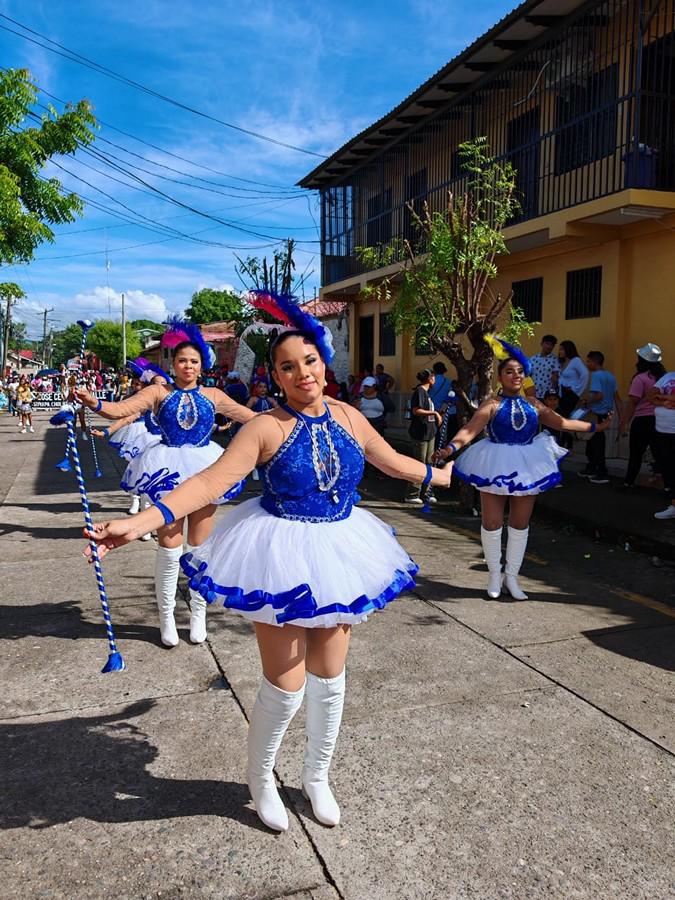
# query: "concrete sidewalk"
{"type": "Point", "coordinates": [489, 749]}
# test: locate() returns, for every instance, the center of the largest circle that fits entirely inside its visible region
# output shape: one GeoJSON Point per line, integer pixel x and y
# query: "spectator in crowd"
{"type": "Point", "coordinates": [385, 383]}
{"type": "Point", "coordinates": [351, 388]}
{"type": "Point", "coordinates": [236, 389]}
{"type": "Point", "coordinates": [344, 393]}
{"type": "Point", "coordinates": [440, 392]}
{"type": "Point", "coordinates": [261, 374]}
{"type": "Point", "coordinates": [331, 388]}
{"type": "Point", "coordinates": [662, 396]}
{"type": "Point", "coordinates": [25, 404]}
{"type": "Point", "coordinates": [12, 393]}
{"type": "Point", "coordinates": [370, 404]}
{"type": "Point", "coordinates": [424, 423]}
{"type": "Point", "coordinates": [603, 397]}
{"type": "Point", "coordinates": [638, 415]}
{"type": "Point", "coordinates": [545, 367]}
{"type": "Point", "coordinates": [572, 383]}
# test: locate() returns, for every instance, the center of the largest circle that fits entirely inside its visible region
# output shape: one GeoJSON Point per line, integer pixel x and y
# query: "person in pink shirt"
{"type": "Point", "coordinates": [639, 412]}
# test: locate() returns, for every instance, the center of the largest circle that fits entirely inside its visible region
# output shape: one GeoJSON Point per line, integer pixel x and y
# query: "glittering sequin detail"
{"type": "Point", "coordinates": [187, 412]}
{"type": "Point", "coordinates": [186, 417]}
{"type": "Point", "coordinates": [292, 486]}
{"type": "Point", "coordinates": [515, 422]}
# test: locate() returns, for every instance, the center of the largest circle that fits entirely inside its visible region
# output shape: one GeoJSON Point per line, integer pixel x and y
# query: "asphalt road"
{"type": "Point", "coordinates": [489, 748]}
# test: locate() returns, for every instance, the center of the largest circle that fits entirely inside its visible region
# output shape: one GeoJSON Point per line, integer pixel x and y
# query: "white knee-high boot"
{"type": "Point", "coordinates": [272, 714]}
{"type": "Point", "coordinates": [492, 548]}
{"type": "Point", "coordinates": [197, 612]}
{"type": "Point", "coordinates": [515, 552]}
{"type": "Point", "coordinates": [166, 580]}
{"type": "Point", "coordinates": [325, 700]}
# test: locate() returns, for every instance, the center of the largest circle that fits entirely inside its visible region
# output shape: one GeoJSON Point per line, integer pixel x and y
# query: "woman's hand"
{"type": "Point", "coordinates": [603, 426]}
{"type": "Point", "coordinates": [442, 477]}
{"type": "Point", "coordinates": [85, 398]}
{"type": "Point", "coordinates": [441, 455]}
{"type": "Point", "coordinates": [109, 535]}
{"type": "Point", "coordinates": [99, 432]}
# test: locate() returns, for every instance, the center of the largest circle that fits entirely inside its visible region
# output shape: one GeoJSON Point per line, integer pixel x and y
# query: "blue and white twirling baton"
{"type": "Point", "coordinates": [85, 325]}
{"type": "Point", "coordinates": [66, 417]}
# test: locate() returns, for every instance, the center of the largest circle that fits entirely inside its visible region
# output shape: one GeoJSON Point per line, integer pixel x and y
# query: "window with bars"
{"type": "Point", "coordinates": [528, 296]}
{"type": "Point", "coordinates": [584, 288]}
{"type": "Point", "coordinates": [586, 120]}
{"type": "Point", "coordinates": [378, 230]}
{"type": "Point", "coordinates": [387, 335]}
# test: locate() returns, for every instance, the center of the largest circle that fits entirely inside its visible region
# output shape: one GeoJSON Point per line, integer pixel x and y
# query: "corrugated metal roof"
{"type": "Point", "coordinates": [544, 8]}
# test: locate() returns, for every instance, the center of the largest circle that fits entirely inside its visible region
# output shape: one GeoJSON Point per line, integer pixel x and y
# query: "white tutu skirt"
{"type": "Point", "coordinates": [316, 575]}
{"type": "Point", "coordinates": [132, 440]}
{"type": "Point", "coordinates": [514, 469]}
{"type": "Point", "coordinates": [160, 469]}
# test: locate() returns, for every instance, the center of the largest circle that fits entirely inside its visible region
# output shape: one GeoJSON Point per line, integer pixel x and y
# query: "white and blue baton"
{"type": "Point", "coordinates": [66, 417]}
{"type": "Point", "coordinates": [85, 325]}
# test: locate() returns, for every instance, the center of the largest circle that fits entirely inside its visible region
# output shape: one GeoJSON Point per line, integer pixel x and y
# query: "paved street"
{"type": "Point", "coordinates": [489, 749]}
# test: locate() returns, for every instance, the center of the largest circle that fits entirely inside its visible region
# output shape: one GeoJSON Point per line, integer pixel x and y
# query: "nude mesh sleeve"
{"type": "Point", "coordinates": [133, 406]}
{"type": "Point", "coordinates": [229, 407]}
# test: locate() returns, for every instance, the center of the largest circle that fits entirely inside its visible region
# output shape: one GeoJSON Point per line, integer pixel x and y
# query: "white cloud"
{"type": "Point", "coordinates": [101, 303]}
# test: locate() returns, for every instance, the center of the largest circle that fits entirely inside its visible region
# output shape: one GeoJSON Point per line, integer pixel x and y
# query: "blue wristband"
{"type": "Point", "coordinates": [105, 430]}
{"type": "Point", "coordinates": [454, 448]}
{"type": "Point", "coordinates": [98, 406]}
{"type": "Point", "coordinates": [592, 427]}
{"type": "Point", "coordinates": [427, 477]}
{"type": "Point", "coordinates": [169, 517]}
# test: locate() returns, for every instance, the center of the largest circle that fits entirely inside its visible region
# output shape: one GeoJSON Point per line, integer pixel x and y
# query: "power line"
{"type": "Point", "coordinates": [78, 58]}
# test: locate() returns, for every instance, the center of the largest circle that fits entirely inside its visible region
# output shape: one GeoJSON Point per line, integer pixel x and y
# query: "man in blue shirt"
{"type": "Point", "coordinates": [602, 395]}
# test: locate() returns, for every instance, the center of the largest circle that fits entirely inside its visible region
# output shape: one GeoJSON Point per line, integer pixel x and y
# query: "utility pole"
{"type": "Point", "coordinates": [45, 313]}
{"type": "Point", "coordinates": [7, 331]}
{"type": "Point", "coordinates": [48, 362]}
{"type": "Point", "coordinates": [124, 334]}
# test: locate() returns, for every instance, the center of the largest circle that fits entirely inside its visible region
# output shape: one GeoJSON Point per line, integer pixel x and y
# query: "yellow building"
{"type": "Point", "coordinates": [580, 97]}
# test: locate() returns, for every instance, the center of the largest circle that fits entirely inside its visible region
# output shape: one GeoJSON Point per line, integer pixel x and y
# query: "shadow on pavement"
{"type": "Point", "coordinates": [96, 768]}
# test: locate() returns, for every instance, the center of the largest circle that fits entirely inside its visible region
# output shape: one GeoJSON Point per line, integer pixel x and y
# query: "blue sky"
{"type": "Point", "coordinates": [307, 74]}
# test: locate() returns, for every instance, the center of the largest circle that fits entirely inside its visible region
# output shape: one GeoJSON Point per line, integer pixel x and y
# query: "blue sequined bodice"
{"type": "Point", "coordinates": [186, 417]}
{"type": "Point", "coordinates": [515, 422]}
{"type": "Point", "coordinates": [151, 423]}
{"type": "Point", "coordinates": [317, 454]}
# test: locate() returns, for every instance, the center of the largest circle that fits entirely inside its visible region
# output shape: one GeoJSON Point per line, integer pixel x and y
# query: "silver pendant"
{"type": "Point", "coordinates": [334, 497]}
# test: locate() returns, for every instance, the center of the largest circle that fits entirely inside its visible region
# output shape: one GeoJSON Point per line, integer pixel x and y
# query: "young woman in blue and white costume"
{"type": "Point", "coordinates": [185, 414]}
{"type": "Point", "coordinates": [512, 463]}
{"type": "Point", "coordinates": [327, 564]}
{"type": "Point", "coordinates": [134, 434]}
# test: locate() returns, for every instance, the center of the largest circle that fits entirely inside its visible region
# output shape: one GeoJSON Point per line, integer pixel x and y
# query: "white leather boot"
{"type": "Point", "coordinates": [515, 552]}
{"type": "Point", "coordinates": [135, 505]}
{"type": "Point", "coordinates": [492, 549]}
{"type": "Point", "coordinates": [272, 714]}
{"type": "Point", "coordinates": [166, 580]}
{"type": "Point", "coordinates": [197, 612]}
{"type": "Point", "coordinates": [325, 699]}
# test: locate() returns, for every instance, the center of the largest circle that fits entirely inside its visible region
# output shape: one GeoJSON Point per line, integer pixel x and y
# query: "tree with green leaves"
{"type": "Point", "coordinates": [441, 292]}
{"type": "Point", "coordinates": [66, 344]}
{"type": "Point", "coordinates": [29, 202]}
{"type": "Point", "coordinates": [211, 305]}
{"type": "Point", "coordinates": [105, 340]}
{"type": "Point", "coordinates": [147, 325]}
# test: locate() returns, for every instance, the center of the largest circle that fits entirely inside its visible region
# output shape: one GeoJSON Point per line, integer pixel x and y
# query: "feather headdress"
{"type": "Point", "coordinates": [503, 350]}
{"type": "Point", "coordinates": [286, 309]}
{"type": "Point", "coordinates": [145, 370]}
{"type": "Point", "coordinates": [181, 330]}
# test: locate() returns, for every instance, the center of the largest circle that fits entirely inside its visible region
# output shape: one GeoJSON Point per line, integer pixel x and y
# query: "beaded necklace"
{"type": "Point", "coordinates": [326, 466]}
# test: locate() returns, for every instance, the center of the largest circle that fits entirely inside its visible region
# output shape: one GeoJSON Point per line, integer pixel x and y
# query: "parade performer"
{"type": "Point", "coordinates": [185, 414]}
{"type": "Point", "coordinates": [132, 435]}
{"type": "Point", "coordinates": [327, 563]}
{"type": "Point", "coordinates": [512, 463]}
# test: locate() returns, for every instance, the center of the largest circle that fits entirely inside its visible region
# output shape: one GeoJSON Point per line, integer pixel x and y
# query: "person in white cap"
{"type": "Point", "coordinates": [662, 395]}
{"type": "Point", "coordinates": [638, 419]}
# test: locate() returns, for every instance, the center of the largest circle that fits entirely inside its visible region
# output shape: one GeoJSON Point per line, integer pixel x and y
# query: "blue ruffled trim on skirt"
{"type": "Point", "coordinates": [298, 603]}
{"type": "Point", "coordinates": [162, 482]}
{"type": "Point", "coordinates": [124, 451]}
{"type": "Point", "coordinates": [509, 481]}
